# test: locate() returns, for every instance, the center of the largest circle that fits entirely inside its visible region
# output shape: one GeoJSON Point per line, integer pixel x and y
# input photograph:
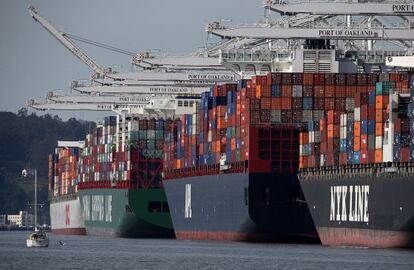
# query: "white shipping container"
{"type": "Point", "coordinates": [322, 160]}
{"type": "Point", "coordinates": [378, 142]}
{"type": "Point", "coordinates": [357, 114]}
{"type": "Point", "coordinates": [342, 132]}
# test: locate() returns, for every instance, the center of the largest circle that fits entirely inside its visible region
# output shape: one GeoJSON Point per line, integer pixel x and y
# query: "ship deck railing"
{"type": "Point", "coordinates": [404, 168]}
{"type": "Point", "coordinates": [213, 169]}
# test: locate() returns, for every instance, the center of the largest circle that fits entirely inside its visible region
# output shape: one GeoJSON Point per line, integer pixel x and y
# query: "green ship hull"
{"type": "Point", "coordinates": [125, 213]}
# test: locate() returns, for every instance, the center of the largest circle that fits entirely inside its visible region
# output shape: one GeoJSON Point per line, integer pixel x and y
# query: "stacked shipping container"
{"type": "Point", "coordinates": [63, 171]}
{"type": "Point", "coordinates": [358, 135]}
{"type": "Point", "coordinates": [124, 152]}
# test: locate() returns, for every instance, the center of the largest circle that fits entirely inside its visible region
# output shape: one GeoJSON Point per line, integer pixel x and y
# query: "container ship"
{"type": "Point", "coordinates": [120, 187]}
{"type": "Point", "coordinates": [357, 168]}
{"type": "Point", "coordinates": [230, 167]}
{"type": "Point", "coordinates": [65, 209]}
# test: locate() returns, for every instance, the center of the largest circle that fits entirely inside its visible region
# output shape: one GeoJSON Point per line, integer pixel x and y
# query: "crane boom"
{"type": "Point", "coordinates": [62, 38]}
{"type": "Point", "coordinates": [392, 8]}
{"type": "Point", "coordinates": [157, 90]}
{"type": "Point", "coordinates": [315, 33]}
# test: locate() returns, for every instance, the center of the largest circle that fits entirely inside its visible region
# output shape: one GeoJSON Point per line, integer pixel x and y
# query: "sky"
{"type": "Point", "coordinates": [32, 62]}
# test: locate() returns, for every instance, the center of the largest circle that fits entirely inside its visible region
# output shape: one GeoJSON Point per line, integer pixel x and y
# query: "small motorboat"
{"type": "Point", "coordinates": [37, 239]}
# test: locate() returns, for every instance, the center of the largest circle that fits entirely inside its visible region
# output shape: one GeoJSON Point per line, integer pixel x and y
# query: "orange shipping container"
{"type": "Point", "coordinates": [379, 129]}
{"type": "Point", "coordinates": [378, 155]}
{"type": "Point", "coordinates": [322, 124]}
{"type": "Point", "coordinates": [287, 91]}
{"type": "Point", "coordinates": [381, 102]}
{"type": "Point", "coordinates": [330, 130]}
{"type": "Point", "coordinates": [357, 129]}
{"type": "Point", "coordinates": [357, 143]}
{"type": "Point", "coordinates": [258, 91]}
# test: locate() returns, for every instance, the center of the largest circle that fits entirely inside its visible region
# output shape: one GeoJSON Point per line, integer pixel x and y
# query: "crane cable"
{"type": "Point", "coordinates": [98, 44]}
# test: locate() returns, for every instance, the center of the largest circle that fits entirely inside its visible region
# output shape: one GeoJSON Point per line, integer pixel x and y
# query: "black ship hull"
{"type": "Point", "coordinates": [239, 207]}
{"type": "Point", "coordinates": [372, 209]}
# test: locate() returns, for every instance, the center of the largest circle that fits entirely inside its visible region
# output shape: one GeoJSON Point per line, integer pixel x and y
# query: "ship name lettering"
{"type": "Point", "coordinates": [349, 203]}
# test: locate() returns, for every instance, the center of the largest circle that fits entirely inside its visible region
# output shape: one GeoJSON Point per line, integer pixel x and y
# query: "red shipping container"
{"type": "Point", "coordinates": [319, 91]}
{"type": "Point", "coordinates": [329, 104]}
{"type": "Point", "coordinates": [265, 103]}
{"type": "Point", "coordinates": [362, 89]}
{"type": "Point", "coordinates": [397, 126]}
{"type": "Point", "coordinates": [364, 112]}
{"type": "Point", "coordinates": [286, 103]}
{"type": "Point", "coordinates": [364, 142]}
{"type": "Point", "coordinates": [340, 91]}
{"type": "Point", "coordinates": [342, 159]}
{"type": "Point", "coordinates": [357, 100]}
{"type": "Point", "coordinates": [307, 78]}
{"type": "Point", "coordinates": [330, 91]}
{"type": "Point", "coordinates": [276, 104]}
{"type": "Point", "coordinates": [350, 91]}
{"type": "Point", "coordinates": [405, 154]}
{"type": "Point", "coordinates": [371, 113]}
{"type": "Point", "coordinates": [319, 79]}
{"type": "Point", "coordinates": [364, 156]}
{"type": "Point", "coordinates": [395, 77]}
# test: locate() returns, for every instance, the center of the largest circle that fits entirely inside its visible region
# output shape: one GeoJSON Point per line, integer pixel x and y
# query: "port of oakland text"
{"type": "Point", "coordinates": [348, 33]}
{"type": "Point", "coordinates": [349, 203]}
{"type": "Point", "coordinates": [168, 90]}
{"type": "Point", "coordinates": [403, 8]}
{"type": "Point", "coordinates": [214, 77]}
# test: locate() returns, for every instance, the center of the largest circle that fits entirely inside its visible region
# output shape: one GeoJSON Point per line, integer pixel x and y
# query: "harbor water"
{"type": "Point", "coordinates": [85, 252]}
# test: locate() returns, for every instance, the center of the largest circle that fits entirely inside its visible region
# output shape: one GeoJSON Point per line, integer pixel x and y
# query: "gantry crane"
{"type": "Point", "coordinates": [174, 71]}
{"type": "Point", "coordinates": [159, 107]}
{"type": "Point", "coordinates": [310, 34]}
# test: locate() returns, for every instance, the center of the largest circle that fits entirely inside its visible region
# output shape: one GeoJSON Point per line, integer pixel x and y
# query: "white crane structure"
{"type": "Point", "coordinates": [310, 36]}
{"type": "Point", "coordinates": [62, 38]}
{"type": "Point", "coordinates": [174, 71]}
{"type": "Point", "coordinates": [401, 61]}
{"type": "Point", "coordinates": [153, 107]}
{"type": "Point", "coordinates": [320, 7]}
{"type": "Point", "coordinates": [360, 31]}
{"type": "Point", "coordinates": [162, 90]}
